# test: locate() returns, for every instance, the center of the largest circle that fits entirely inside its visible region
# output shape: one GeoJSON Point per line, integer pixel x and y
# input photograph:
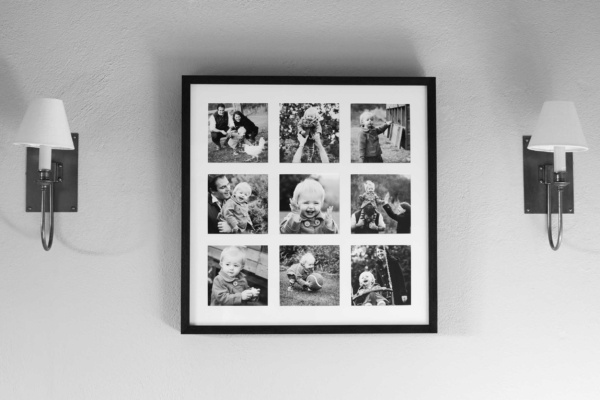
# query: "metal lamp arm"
{"type": "Point", "coordinates": [47, 186]}
{"type": "Point", "coordinates": [560, 185]}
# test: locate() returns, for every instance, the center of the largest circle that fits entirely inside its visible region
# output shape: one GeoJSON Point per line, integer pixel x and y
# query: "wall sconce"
{"type": "Point", "coordinates": [46, 127]}
{"type": "Point", "coordinates": [558, 131]}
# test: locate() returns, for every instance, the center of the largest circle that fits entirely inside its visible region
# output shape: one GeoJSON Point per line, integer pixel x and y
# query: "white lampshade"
{"type": "Point", "coordinates": [45, 124]}
{"type": "Point", "coordinates": [558, 126]}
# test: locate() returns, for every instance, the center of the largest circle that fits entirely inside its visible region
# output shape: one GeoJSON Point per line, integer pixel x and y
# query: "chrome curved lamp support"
{"type": "Point", "coordinates": [560, 186]}
{"type": "Point", "coordinates": [47, 186]}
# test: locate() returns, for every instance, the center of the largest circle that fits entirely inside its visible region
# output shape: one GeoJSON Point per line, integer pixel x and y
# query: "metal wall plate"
{"type": "Point", "coordinates": [65, 190]}
{"type": "Point", "coordinates": [535, 192]}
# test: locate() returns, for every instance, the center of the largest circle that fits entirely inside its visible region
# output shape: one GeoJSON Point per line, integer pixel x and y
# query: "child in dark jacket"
{"type": "Point", "coordinates": [369, 147]}
{"type": "Point", "coordinates": [230, 287]}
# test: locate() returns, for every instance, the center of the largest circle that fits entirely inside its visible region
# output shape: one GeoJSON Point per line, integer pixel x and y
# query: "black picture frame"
{"type": "Point", "coordinates": [429, 84]}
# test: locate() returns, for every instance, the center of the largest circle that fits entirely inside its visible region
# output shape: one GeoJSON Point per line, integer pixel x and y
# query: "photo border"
{"type": "Point", "coordinates": [429, 83]}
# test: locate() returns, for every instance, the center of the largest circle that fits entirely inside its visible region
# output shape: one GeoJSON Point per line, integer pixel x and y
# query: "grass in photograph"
{"type": "Point", "coordinates": [329, 295]}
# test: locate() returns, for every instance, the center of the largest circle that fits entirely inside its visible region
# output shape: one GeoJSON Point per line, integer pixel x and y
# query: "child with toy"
{"type": "Point", "coordinates": [230, 287]}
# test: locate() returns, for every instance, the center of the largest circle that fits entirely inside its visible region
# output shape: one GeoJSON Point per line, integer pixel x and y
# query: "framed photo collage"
{"type": "Point", "coordinates": [308, 205]}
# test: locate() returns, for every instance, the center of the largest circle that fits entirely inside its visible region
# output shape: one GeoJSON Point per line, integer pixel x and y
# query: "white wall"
{"type": "Point", "coordinates": [98, 316]}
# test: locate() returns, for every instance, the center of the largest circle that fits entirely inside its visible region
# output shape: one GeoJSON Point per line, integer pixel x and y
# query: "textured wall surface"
{"type": "Point", "coordinates": [98, 316]}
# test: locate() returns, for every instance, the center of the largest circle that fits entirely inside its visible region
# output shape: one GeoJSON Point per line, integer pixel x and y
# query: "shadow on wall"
{"type": "Point", "coordinates": [12, 102]}
{"type": "Point", "coordinates": [13, 105]}
{"type": "Point", "coordinates": [12, 110]}
{"type": "Point", "coordinates": [354, 54]}
{"type": "Point", "coordinates": [270, 56]}
{"type": "Point", "coordinates": [521, 72]}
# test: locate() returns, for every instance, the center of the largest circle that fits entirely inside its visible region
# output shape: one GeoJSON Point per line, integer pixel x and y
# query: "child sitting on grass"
{"type": "Point", "coordinates": [369, 147]}
{"type": "Point", "coordinates": [369, 293]}
{"type": "Point", "coordinates": [306, 215]}
{"type": "Point", "coordinates": [235, 210]}
{"type": "Point", "coordinates": [298, 273]}
{"type": "Point", "coordinates": [230, 287]}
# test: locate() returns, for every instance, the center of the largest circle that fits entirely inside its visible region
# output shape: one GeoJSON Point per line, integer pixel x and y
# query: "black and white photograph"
{"type": "Point", "coordinates": [309, 133]}
{"type": "Point", "coordinates": [238, 132]}
{"type": "Point", "coordinates": [238, 275]}
{"type": "Point", "coordinates": [380, 204]}
{"type": "Point", "coordinates": [381, 276]}
{"type": "Point", "coordinates": [309, 204]}
{"type": "Point", "coordinates": [380, 133]}
{"type": "Point", "coordinates": [309, 275]}
{"type": "Point", "coordinates": [238, 204]}
{"type": "Point", "coordinates": [323, 189]}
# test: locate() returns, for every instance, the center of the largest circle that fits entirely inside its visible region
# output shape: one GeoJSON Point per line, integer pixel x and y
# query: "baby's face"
{"type": "Point", "coordinates": [241, 196]}
{"type": "Point", "coordinates": [370, 188]}
{"type": "Point", "coordinates": [310, 204]}
{"type": "Point", "coordinates": [311, 113]}
{"type": "Point", "coordinates": [366, 279]}
{"type": "Point", "coordinates": [309, 264]}
{"type": "Point", "coordinates": [368, 122]}
{"type": "Point", "coordinates": [232, 266]}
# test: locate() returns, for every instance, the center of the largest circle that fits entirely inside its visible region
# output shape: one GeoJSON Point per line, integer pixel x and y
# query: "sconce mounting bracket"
{"type": "Point", "coordinates": [537, 173]}
{"type": "Point", "coordinates": [65, 171]}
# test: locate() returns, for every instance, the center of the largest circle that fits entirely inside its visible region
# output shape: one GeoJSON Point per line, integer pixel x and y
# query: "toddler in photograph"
{"type": "Point", "coordinates": [369, 293]}
{"type": "Point", "coordinates": [306, 215]}
{"type": "Point", "coordinates": [369, 147]}
{"type": "Point", "coordinates": [309, 127]}
{"type": "Point", "coordinates": [369, 196]}
{"type": "Point", "coordinates": [298, 273]}
{"type": "Point", "coordinates": [235, 209]}
{"type": "Point", "coordinates": [230, 287]}
{"type": "Point", "coordinates": [236, 136]}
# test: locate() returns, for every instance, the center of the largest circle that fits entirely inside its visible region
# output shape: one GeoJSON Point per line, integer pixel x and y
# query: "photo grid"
{"type": "Point", "coordinates": [287, 232]}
